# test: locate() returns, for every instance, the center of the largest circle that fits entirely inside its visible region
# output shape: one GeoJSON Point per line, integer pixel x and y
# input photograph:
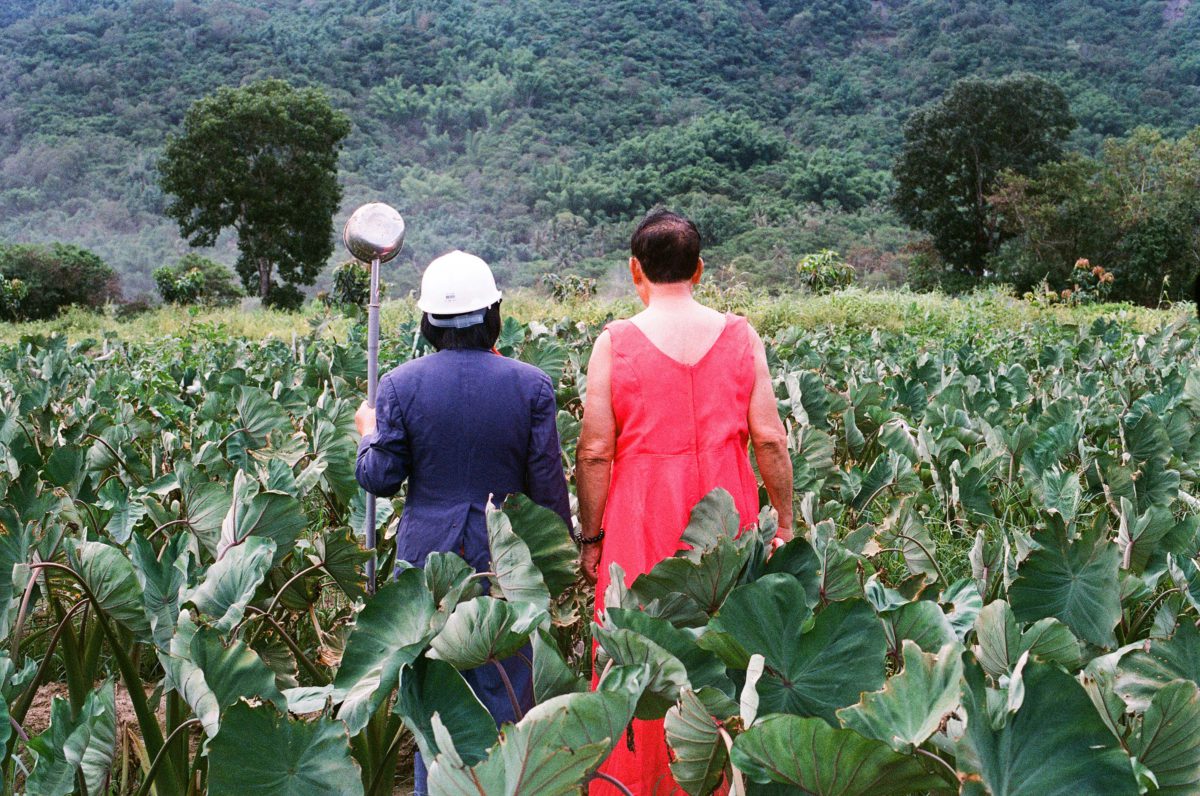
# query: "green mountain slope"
{"type": "Point", "coordinates": [533, 132]}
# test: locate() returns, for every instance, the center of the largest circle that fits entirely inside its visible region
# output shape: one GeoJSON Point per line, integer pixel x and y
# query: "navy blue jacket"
{"type": "Point", "coordinates": [461, 426]}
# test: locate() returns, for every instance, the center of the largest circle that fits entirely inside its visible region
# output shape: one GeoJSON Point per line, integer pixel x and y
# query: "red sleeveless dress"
{"type": "Point", "coordinates": [682, 431]}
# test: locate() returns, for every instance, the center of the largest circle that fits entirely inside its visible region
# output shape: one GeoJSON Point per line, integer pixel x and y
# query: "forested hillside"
{"type": "Point", "coordinates": [533, 131]}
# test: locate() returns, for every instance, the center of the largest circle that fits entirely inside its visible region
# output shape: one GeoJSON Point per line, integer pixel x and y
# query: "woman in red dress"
{"type": "Point", "coordinates": [674, 396]}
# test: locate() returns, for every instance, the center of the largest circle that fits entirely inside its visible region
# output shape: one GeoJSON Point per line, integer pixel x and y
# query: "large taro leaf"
{"type": "Point", "coordinates": [205, 504]}
{"type": "Point", "coordinates": [767, 616]}
{"type": "Point", "coordinates": [913, 703]}
{"type": "Point", "coordinates": [923, 622]}
{"type": "Point", "coordinates": [713, 518]}
{"type": "Point", "coordinates": [450, 580]}
{"type": "Point", "coordinates": [113, 583]}
{"type": "Point", "coordinates": [1141, 673]}
{"type": "Point", "coordinates": [74, 744]}
{"type": "Point", "coordinates": [1140, 535]}
{"type": "Point", "coordinates": [258, 414]}
{"type": "Point", "coordinates": [389, 633]}
{"type": "Point", "coordinates": [273, 515]}
{"type": "Point", "coordinates": [548, 540]}
{"type": "Point", "coordinates": [698, 753]}
{"type": "Point", "coordinates": [667, 675]}
{"type": "Point", "coordinates": [551, 675]}
{"type": "Point", "coordinates": [1055, 744]}
{"type": "Point", "coordinates": [517, 579]}
{"type": "Point", "coordinates": [705, 582]}
{"type": "Point", "coordinates": [338, 553]}
{"type": "Point", "coordinates": [127, 510]}
{"type": "Point", "coordinates": [838, 577]}
{"type": "Point", "coordinates": [263, 752]}
{"type": "Point", "coordinates": [550, 752]}
{"type": "Point", "coordinates": [703, 667]}
{"type": "Point", "coordinates": [210, 676]}
{"type": "Point", "coordinates": [484, 630]}
{"type": "Point", "coordinates": [15, 539]}
{"type": "Point", "coordinates": [812, 668]}
{"type": "Point", "coordinates": [431, 686]}
{"type": "Point", "coordinates": [1169, 741]}
{"type": "Point", "coordinates": [798, 559]}
{"type": "Point", "coordinates": [230, 583]}
{"type": "Point", "coordinates": [1001, 642]}
{"type": "Point", "coordinates": [163, 580]}
{"type": "Point", "coordinates": [1074, 582]}
{"type": "Point", "coordinates": [336, 451]}
{"type": "Point", "coordinates": [814, 758]}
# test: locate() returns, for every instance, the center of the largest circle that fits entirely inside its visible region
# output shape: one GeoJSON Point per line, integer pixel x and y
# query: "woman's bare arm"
{"type": "Point", "coordinates": [769, 438]}
{"type": "Point", "coordinates": [595, 451]}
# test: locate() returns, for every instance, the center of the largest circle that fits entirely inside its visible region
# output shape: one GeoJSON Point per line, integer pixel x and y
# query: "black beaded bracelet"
{"type": "Point", "coordinates": [581, 539]}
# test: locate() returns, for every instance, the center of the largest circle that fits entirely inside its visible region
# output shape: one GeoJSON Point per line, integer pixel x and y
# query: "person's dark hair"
{"type": "Point", "coordinates": [481, 335]}
{"type": "Point", "coordinates": [668, 247]}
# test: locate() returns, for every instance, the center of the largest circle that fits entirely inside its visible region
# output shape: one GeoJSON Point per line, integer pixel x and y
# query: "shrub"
{"type": "Point", "coordinates": [352, 284]}
{"type": "Point", "coordinates": [569, 287]}
{"type": "Point", "coordinates": [54, 277]}
{"type": "Point", "coordinates": [825, 271]}
{"type": "Point", "coordinates": [196, 280]}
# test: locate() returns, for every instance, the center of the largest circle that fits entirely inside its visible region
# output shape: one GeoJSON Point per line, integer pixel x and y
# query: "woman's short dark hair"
{"type": "Point", "coordinates": [668, 247]}
{"type": "Point", "coordinates": [480, 335]}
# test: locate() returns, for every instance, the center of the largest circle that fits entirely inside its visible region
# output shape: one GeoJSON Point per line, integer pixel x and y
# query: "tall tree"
{"type": "Point", "coordinates": [955, 148]}
{"type": "Point", "coordinates": [261, 159]}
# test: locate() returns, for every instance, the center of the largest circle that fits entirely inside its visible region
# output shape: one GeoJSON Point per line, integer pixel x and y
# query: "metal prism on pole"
{"type": "Point", "coordinates": [374, 234]}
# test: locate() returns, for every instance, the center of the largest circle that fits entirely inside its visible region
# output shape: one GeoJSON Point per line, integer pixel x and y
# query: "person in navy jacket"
{"type": "Point", "coordinates": [460, 426]}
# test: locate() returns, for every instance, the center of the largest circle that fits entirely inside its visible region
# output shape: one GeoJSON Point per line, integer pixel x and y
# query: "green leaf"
{"type": "Point", "coordinates": [767, 616]}
{"type": "Point", "coordinates": [273, 515]}
{"type": "Point", "coordinates": [112, 581]}
{"type": "Point", "coordinates": [389, 633]}
{"type": "Point", "coordinates": [839, 578]}
{"type": "Point", "coordinates": [340, 556]}
{"type": "Point", "coordinates": [703, 667]}
{"type": "Point", "coordinates": [706, 582]}
{"type": "Point", "coordinates": [715, 517]}
{"type": "Point", "coordinates": [483, 630]}
{"type": "Point", "coordinates": [163, 580]}
{"type": "Point", "coordinates": [548, 540]}
{"type": "Point", "coordinates": [230, 583]}
{"type": "Point", "coordinates": [699, 754]}
{"type": "Point", "coordinates": [1055, 742]}
{"type": "Point", "coordinates": [1075, 582]}
{"type": "Point", "coordinates": [1142, 673]}
{"type": "Point", "coordinates": [86, 742]}
{"type": "Point", "coordinates": [798, 559]}
{"type": "Point", "coordinates": [517, 579]}
{"type": "Point", "coordinates": [432, 686]}
{"type": "Point", "coordinates": [667, 674]}
{"type": "Point", "coordinates": [258, 415]}
{"type": "Point", "coordinates": [551, 675]}
{"type": "Point", "coordinates": [14, 549]}
{"type": "Point", "coordinates": [205, 504]}
{"type": "Point", "coordinates": [808, 754]}
{"type": "Point", "coordinates": [1169, 741]}
{"type": "Point", "coordinates": [127, 510]}
{"type": "Point", "coordinates": [262, 752]}
{"type": "Point", "coordinates": [814, 670]}
{"type": "Point", "coordinates": [1001, 642]}
{"type": "Point", "coordinates": [913, 703]}
{"type": "Point", "coordinates": [539, 755]}
{"type": "Point", "coordinates": [448, 579]}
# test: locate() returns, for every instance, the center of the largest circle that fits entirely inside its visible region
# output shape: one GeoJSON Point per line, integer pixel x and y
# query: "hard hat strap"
{"type": "Point", "coordinates": [457, 321]}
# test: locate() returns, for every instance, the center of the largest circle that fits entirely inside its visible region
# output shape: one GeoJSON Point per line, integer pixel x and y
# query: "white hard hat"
{"type": "Point", "coordinates": [456, 283]}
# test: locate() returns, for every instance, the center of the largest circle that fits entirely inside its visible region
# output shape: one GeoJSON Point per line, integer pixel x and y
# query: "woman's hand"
{"type": "Point", "coordinates": [364, 419]}
{"type": "Point", "coordinates": [589, 562]}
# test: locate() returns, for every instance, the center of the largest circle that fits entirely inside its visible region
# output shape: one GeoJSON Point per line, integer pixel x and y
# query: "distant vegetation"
{"type": "Point", "coordinates": [534, 132]}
